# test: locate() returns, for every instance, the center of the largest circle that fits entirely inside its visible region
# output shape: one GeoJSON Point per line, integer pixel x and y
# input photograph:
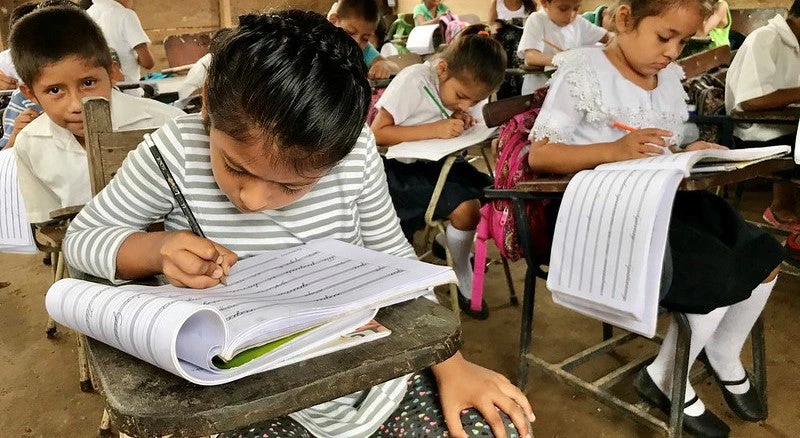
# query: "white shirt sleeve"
{"type": "Point", "coordinates": [532, 36]}
{"type": "Point", "coordinates": [132, 29]}
{"type": "Point", "coordinates": [589, 33]}
{"type": "Point", "coordinates": [39, 199]}
{"type": "Point", "coordinates": [755, 75]}
{"type": "Point", "coordinates": [559, 115]}
{"type": "Point", "coordinates": [196, 77]}
{"type": "Point", "coordinates": [402, 96]}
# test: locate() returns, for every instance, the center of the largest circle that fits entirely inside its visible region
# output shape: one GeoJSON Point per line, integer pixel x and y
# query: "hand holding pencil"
{"type": "Point", "coordinates": [638, 143]}
{"type": "Point", "coordinates": [188, 260]}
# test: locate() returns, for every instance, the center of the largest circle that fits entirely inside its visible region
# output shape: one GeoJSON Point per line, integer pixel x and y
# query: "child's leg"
{"type": "Point", "coordinates": [725, 346]}
{"type": "Point", "coordinates": [783, 201]}
{"type": "Point", "coordinates": [460, 234]}
{"type": "Point", "coordinates": [420, 414]}
{"type": "Point", "coordinates": [703, 327]}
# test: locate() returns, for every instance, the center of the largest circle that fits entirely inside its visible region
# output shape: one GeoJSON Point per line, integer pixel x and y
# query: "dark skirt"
{"type": "Point", "coordinates": [411, 187]}
{"type": "Point", "coordinates": [717, 257]}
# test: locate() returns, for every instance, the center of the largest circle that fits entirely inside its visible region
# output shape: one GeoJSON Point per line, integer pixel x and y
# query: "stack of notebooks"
{"type": "Point", "coordinates": [278, 308]}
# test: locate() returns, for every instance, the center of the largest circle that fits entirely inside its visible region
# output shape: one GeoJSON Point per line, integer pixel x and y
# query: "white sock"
{"type": "Point", "coordinates": [725, 346]}
{"type": "Point", "coordinates": [460, 244]}
{"type": "Point", "coordinates": [703, 326]}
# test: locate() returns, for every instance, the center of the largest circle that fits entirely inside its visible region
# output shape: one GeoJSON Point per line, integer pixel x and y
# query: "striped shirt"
{"type": "Point", "coordinates": [351, 203]}
{"type": "Point", "coordinates": [16, 106]}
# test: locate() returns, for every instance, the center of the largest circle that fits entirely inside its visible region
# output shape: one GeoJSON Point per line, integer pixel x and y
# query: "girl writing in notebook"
{"type": "Point", "coordinates": [722, 269]}
{"type": "Point", "coordinates": [554, 28]}
{"type": "Point", "coordinates": [269, 164]}
{"type": "Point", "coordinates": [438, 99]}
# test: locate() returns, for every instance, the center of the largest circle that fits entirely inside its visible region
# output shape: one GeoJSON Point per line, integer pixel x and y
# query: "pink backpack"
{"type": "Point", "coordinates": [497, 216]}
{"type": "Point", "coordinates": [450, 26]}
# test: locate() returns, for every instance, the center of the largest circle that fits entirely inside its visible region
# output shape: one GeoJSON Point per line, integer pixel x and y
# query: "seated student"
{"type": "Point", "coordinates": [359, 18]}
{"type": "Point", "coordinates": [721, 269]}
{"type": "Point", "coordinates": [124, 33]}
{"type": "Point", "coordinates": [507, 10]}
{"type": "Point", "coordinates": [62, 57]}
{"type": "Point", "coordinates": [468, 71]}
{"type": "Point", "coordinates": [718, 25]}
{"type": "Point", "coordinates": [765, 75]}
{"type": "Point", "coordinates": [548, 31]}
{"type": "Point", "coordinates": [267, 165]}
{"type": "Point", "coordinates": [9, 79]}
{"type": "Point", "coordinates": [429, 11]}
{"type": "Point", "coordinates": [196, 77]}
{"type": "Point", "coordinates": [603, 17]}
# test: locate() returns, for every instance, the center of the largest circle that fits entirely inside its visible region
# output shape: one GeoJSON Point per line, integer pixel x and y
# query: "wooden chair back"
{"type": "Point", "coordinates": [706, 61]}
{"type": "Point", "coordinates": [745, 21]}
{"type": "Point", "coordinates": [498, 112]}
{"type": "Point", "coordinates": [106, 148]}
{"type": "Point", "coordinates": [405, 59]}
{"type": "Point", "coordinates": [186, 48]}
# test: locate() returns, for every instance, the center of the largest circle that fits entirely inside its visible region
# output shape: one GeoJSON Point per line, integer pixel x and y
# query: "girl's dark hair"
{"type": "Point", "coordinates": [19, 12]}
{"type": "Point", "coordinates": [640, 9]}
{"type": "Point", "coordinates": [292, 80]}
{"type": "Point", "coordinates": [479, 57]}
{"type": "Point", "coordinates": [529, 5]}
{"type": "Point", "coordinates": [794, 11]}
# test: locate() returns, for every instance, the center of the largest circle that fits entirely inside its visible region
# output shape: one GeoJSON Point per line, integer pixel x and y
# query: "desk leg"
{"type": "Point", "coordinates": [528, 295]}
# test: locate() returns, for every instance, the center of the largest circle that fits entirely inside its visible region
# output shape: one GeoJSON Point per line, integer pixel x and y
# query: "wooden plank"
{"type": "Point", "coordinates": [703, 62]}
{"type": "Point", "coordinates": [745, 21]}
{"type": "Point", "coordinates": [225, 13]}
{"type": "Point", "coordinates": [146, 401]}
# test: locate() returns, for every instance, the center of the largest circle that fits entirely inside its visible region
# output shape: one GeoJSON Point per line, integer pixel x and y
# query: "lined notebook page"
{"type": "Point", "coordinates": [15, 232]}
{"type": "Point", "coordinates": [609, 244]}
{"type": "Point", "coordinates": [436, 149]}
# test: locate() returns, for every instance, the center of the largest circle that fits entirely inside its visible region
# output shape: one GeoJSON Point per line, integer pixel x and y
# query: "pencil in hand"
{"type": "Point", "coordinates": [553, 45]}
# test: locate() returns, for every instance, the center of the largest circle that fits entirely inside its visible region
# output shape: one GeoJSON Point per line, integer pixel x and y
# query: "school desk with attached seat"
{"type": "Point", "coordinates": [554, 188]}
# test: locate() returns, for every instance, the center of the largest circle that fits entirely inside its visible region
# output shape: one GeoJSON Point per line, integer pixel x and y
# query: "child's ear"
{"type": "Point", "coordinates": [623, 19]}
{"type": "Point", "coordinates": [28, 93]}
{"type": "Point", "coordinates": [333, 18]}
{"type": "Point", "coordinates": [441, 69]}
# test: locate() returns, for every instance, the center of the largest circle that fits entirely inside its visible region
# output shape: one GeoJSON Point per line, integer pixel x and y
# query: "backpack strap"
{"type": "Point", "coordinates": [478, 271]}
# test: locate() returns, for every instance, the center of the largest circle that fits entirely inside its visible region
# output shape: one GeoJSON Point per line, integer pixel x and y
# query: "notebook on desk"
{"type": "Point", "coordinates": [278, 308]}
{"type": "Point", "coordinates": [435, 149]}
{"type": "Point", "coordinates": [15, 232]}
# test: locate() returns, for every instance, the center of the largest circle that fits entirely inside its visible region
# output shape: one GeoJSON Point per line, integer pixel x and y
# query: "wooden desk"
{"type": "Point", "coordinates": [554, 189]}
{"type": "Point", "coordinates": [145, 401]}
{"type": "Point", "coordinates": [787, 116]}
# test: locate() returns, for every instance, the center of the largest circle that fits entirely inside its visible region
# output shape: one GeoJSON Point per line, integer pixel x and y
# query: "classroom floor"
{"type": "Point", "coordinates": [39, 394]}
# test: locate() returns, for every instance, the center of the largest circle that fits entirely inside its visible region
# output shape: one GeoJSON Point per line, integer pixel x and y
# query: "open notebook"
{"type": "Point", "coordinates": [278, 308]}
{"type": "Point", "coordinates": [435, 149]}
{"type": "Point", "coordinates": [15, 232]}
{"type": "Point", "coordinates": [611, 233]}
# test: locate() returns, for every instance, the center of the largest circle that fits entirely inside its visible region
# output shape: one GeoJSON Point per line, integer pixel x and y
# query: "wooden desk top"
{"type": "Point", "coordinates": [788, 115]}
{"type": "Point", "coordinates": [701, 181]}
{"type": "Point", "coordinates": [146, 401]}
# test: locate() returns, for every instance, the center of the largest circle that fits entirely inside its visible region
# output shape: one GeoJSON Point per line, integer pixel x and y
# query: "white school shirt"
{"type": "Point", "coordinates": [767, 61]}
{"type": "Point", "coordinates": [53, 167]}
{"type": "Point", "coordinates": [196, 77]}
{"type": "Point", "coordinates": [406, 100]}
{"type": "Point", "coordinates": [503, 13]}
{"type": "Point", "coordinates": [123, 32]}
{"type": "Point", "coordinates": [587, 94]}
{"type": "Point", "coordinates": [7, 65]}
{"type": "Point", "coordinates": [539, 27]}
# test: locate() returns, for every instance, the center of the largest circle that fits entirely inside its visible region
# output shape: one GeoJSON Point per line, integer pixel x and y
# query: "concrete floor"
{"type": "Point", "coordinates": [39, 395]}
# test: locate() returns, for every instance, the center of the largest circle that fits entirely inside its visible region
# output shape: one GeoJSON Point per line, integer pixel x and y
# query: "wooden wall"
{"type": "Point", "coordinates": [162, 18]}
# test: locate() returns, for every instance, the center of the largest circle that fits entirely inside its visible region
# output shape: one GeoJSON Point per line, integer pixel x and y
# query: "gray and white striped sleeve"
{"type": "Point", "coordinates": [137, 197]}
{"type": "Point", "coordinates": [380, 226]}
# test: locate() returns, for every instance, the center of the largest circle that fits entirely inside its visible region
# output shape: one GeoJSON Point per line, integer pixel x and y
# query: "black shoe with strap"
{"type": "Point", "coordinates": [748, 406]}
{"type": "Point", "coordinates": [705, 425]}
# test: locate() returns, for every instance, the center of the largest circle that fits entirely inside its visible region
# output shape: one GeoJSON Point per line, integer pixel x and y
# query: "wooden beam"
{"type": "Point", "coordinates": [225, 19]}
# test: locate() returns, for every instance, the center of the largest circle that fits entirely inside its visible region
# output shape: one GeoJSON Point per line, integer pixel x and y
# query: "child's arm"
{"type": "Point", "coordinates": [531, 44]}
{"type": "Point", "coordinates": [562, 159]}
{"type": "Point", "coordinates": [778, 99]}
{"type": "Point", "coordinates": [463, 385]}
{"type": "Point", "coordinates": [493, 11]}
{"type": "Point", "coordinates": [718, 18]}
{"type": "Point", "coordinates": [389, 134]}
{"type": "Point", "coordinates": [144, 57]}
{"type": "Point", "coordinates": [381, 68]}
{"type": "Point", "coordinates": [535, 58]}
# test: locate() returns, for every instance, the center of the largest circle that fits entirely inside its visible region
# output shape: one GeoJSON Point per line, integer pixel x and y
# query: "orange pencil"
{"type": "Point", "coordinates": [553, 45]}
{"type": "Point", "coordinates": [623, 126]}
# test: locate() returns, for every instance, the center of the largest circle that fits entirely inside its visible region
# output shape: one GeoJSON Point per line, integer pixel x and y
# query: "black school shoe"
{"type": "Point", "coordinates": [747, 406]}
{"type": "Point", "coordinates": [465, 303]}
{"type": "Point", "coordinates": [705, 425]}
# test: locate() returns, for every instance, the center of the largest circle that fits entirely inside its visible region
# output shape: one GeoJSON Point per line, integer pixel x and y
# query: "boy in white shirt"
{"type": "Point", "coordinates": [66, 62]}
{"type": "Point", "coordinates": [556, 27]}
{"type": "Point", "coordinates": [124, 33]}
{"type": "Point", "coordinates": [765, 75]}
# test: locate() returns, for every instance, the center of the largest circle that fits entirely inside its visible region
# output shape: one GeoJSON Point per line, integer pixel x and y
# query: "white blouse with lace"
{"type": "Point", "coordinates": [588, 94]}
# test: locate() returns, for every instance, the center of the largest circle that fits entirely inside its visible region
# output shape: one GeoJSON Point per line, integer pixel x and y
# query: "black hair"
{"type": "Point", "coordinates": [641, 9]}
{"type": "Point", "coordinates": [794, 11]}
{"type": "Point", "coordinates": [48, 35]}
{"type": "Point", "coordinates": [477, 57]}
{"type": "Point", "coordinates": [85, 4]}
{"type": "Point", "coordinates": [366, 10]}
{"type": "Point", "coordinates": [294, 80]}
{"type": "Point", "coordinates": [529, 6]}
{"type": "Point", "coordinates": [19, 12]}
{"type": "Point", "coordinates": [52, 3]}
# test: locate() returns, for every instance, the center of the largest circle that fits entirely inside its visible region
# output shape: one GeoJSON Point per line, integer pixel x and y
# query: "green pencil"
{"type": "Point", "coordinates": [436, 101]}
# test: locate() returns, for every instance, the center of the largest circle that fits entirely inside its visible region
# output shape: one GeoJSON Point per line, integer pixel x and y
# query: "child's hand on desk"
{"type": "Point", "coordinates": [640, 143]}
{"type": "Point", "coordinates": [701, 145]}
{"type": "Point", "coordinates": [448, 128]}
{"type": "Point", "coordinates": [379, 70]}
{"type": "Point", "coordinates": [191, 261]}
{"type": "Point", "coordinates": [468, 120]}
{"type": "Point", "coordinates": [464, 385]}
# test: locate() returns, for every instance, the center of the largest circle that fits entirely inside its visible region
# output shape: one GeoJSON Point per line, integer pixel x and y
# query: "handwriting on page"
{"type": "Point", "coordinates": [15, 232]}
